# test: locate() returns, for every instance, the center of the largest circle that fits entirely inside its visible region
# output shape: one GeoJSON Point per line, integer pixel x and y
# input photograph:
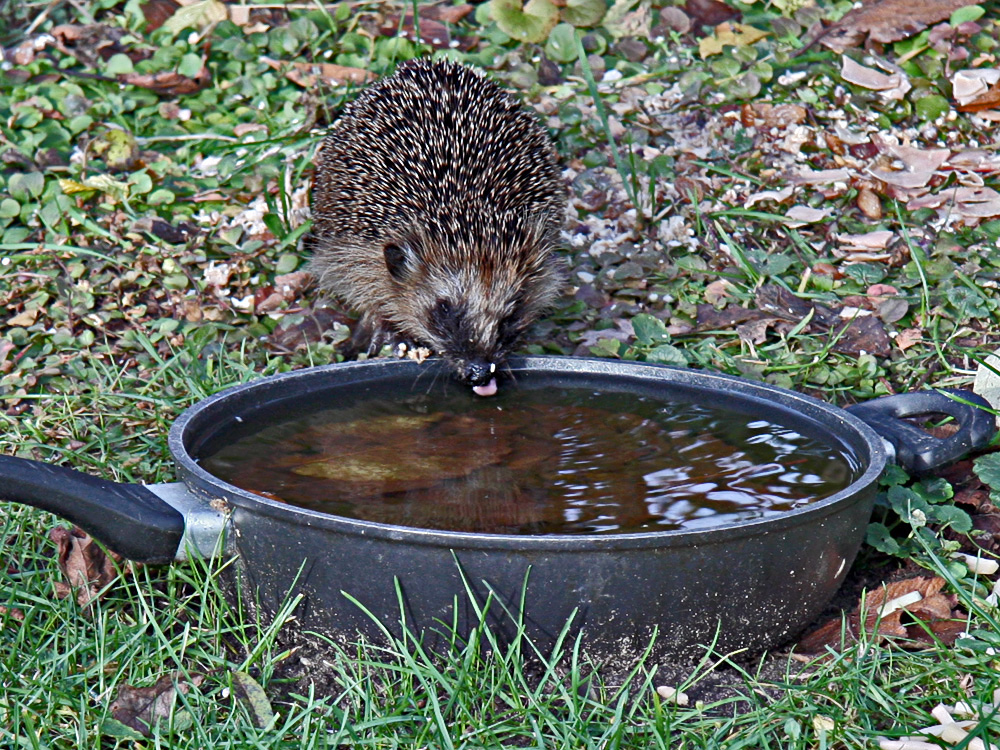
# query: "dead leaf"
{"type": "Point", "coordinates": [763, 114]}
{"type": "Point", "coordinates": [779, 196]}
{"type": "Point", "coordinates": [91, 43]}
{"type": "Point", "coordinates": [863, 335]}
{"type": "Point", "coordinates": [708, 12]}
{"type": "Point", "coordinates": [977, 202]}
{"type": "Point", "coordinates": [798, 216]}
{"type": "Point", "coordinates": [168, 82]}
{"type": "Point", "coordinates": [908, 337]}
{"type": "Point", "coordinates": [623, 19]}
{"type": "Point", "coordinates": [975, 90]}
{"type": "Point", "coordinates": [432, 32]}
{"type": "Point", "coordinates": [314, 325]}
{"type": "Point", "coordinates": [12, 612]}
{"type": "Point", "coordinates": [717, 291]}
{"type": "Point", "coordinates": [912, 167]}
{"type": "Point", "coordinates": [877, 240]}
{"type": "Point", "coordinates": [755, 331]}
{"type": "Point", "coordinates": [249, 692]}
{"type": "Point", "coordinates": [447, 13]}
{"type": "Point", "coordinates": [309, 75]}
{"type": "Point", "coordinates": [677, 20]}
{"type": "Point", "coordinates": [197, 15]}
{"type": "Point", "coordinates": [23, 319]}
{"type": "Point", "coordinates": [711, 319]}
{"type": "Point", "coordinates": [819, 176]}
{"type": "Point", "coordinates": [886, 21]}
{"type": "Point", "coordinates": [869, 203]}
{"type": "Point", "coordinates": [142, 708]}
{"type": "Point", "coordinates": [731, 34]}
{"type": "Point", "coordinates": [893, 310]}
{"type": "Point", "coordinates": [156, 12]}
{"type": "Point", "coordinates": [975, 160]}
{"type": "Point", "coordinates": [890, 86]}
{"type": "Point", "coordinates": [881, 617]}
{"type": "Point", "coordinates": [86, 567]}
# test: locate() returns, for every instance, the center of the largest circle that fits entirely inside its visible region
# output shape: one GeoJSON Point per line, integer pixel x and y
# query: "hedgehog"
{"type": "Point", "coordinates": [437, 205]}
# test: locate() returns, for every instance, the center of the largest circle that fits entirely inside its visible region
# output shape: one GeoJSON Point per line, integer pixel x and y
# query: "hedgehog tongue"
{"type": "Point", "coordinates": [486, 390]}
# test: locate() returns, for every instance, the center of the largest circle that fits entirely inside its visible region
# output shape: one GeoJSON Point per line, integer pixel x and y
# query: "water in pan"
{"type": "Point", "coordinates": [545, 461]}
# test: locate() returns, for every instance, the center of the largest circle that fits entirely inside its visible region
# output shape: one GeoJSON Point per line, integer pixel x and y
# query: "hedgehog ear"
{"type": "Point", "coordinates": [398, 259]}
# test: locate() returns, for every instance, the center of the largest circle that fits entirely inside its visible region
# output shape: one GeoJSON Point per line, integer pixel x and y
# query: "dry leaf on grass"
{"type": "Point", "coordinates": [779, 196]}
{"type": "Point", "coordinates": [911, 613]}
{"type": "Point", "coordinates": [886, 21]}
{"type": "Point", "coordinates": [799, 216]}
{"type": "Point", "coordinates": [86, 567]}
{"type": "Point", "coordinates": [168, 82]}
{"type": "Point", "coordinates": [432, 32]}
{"type": "Point", "coordinates": [877, 240]}
{"type": "Point", "coordinates": [11, 612]}
{"type": "Point", "coordinates": [309, 75]}
{"type": "Point", "coordinates": [142, 708]}
{"type": "Point", "coordinates": [819, 176]}
{"type": "Point", "coordinates": [729, 34]}
{"type": "Point", "coordinates": [912, 167]}
{"type": "Point", "coordinates": [975, 160]}
{"type": "Point", "coordinates": [890, 86]}
{"type": "Point", "coordinates": [157, 12]}
{"type": "Point", "coordinates": [778, 307]}
{"type": "Point", "coordinates": [709, 12]}
{"type": "Point", "coordinates": [286, 289]}
{"type": "Point", "coordinates": [249, 692]}
{"type": "Point", "coordinates": [971, 204]}
{"type": "Point", "coordinates": [781, 116]}
{"type": "Point", "coordinates": [976, 89]}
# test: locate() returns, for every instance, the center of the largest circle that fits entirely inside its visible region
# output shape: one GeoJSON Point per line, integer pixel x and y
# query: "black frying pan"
{"type": "Point", "coordinates": [749, 583]}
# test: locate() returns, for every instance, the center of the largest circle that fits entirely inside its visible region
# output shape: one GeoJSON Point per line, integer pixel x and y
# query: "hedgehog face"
{"type": "Point", "coordinates": [472, 314]}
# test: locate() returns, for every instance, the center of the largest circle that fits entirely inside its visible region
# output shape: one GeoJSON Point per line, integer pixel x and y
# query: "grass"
{"type": "Point", "coordinates": [132, 274]}
{"type": "Point", "coordinates": [62, 667]}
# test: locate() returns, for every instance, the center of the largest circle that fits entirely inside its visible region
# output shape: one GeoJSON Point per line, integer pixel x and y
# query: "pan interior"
{"type": "Point", "coordinates": [553, 453]}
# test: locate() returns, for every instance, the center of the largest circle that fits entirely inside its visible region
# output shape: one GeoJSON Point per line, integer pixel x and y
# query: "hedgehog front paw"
{"type": "Point", "coordinates": [408, 350]}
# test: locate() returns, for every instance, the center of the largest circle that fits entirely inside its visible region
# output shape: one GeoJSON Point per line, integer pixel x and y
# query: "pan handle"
{"type": "Point", "coordinates": [127, 518]}
{"type": "Point", "coordinates": [917, 451]}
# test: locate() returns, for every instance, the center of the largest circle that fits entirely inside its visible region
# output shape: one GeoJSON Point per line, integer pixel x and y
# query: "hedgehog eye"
{"type": "Point", "coordinates": [508, 331]}
{"type": "Point", "coordinates": [443, 316]}
{"type": "Point", "coordinates": [396, 261]}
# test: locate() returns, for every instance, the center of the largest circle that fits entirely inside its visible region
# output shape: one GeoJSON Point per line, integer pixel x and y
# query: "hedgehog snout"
{"type": "Point", "coordinates": [477, 372]}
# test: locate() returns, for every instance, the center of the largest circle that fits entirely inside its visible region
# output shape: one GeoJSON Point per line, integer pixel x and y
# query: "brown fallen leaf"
{"type": "Point", "coordinates": [930, 614]}
{"type": "Point", "coordinates": [781, 116]}
{"type": "Point", "coordinates": [976, 90]}
{"type": "Point", "coordinates": [285, 290]}
{"type": "Point", "coordinates": [708, 12]}
{"type": "Point", "coordinates": [432, 32]}
{"type": "Point", "coordinates": [447, 13]}
{"type": "Point", "coordinates": [94, 42]}
{"type": "Point", "coordinates": [168, 82]}
{"type": "Point", "coordinates": [312, 326]}
{"type": "Point", "coordinates": [12, 612]}
{"type": "Point", "coordinates": [309, 75]}
{"type": "Point", "coordinates": [855, 335]}
{"type": "Point", "coordinates": [886, 21]}
{"type": "Point", "coordinates": [755, 331]}
{"type": "Point", "coordinates": [863, 335]}
{"type": "Point", "coordinates": [891, 85]}
{"type": "Point", "coordinates": [142, 708]}
{"type": "Point", "coordinates": [918, 165]}
{"type": "Point", "coordinates": [870, 204]}
{"type": "Point", "coordinates": [709, 318]}
{"type": "Point", "coordinates": [86, 567]}
{"type": "Point", "coordinates": [156, 12]}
